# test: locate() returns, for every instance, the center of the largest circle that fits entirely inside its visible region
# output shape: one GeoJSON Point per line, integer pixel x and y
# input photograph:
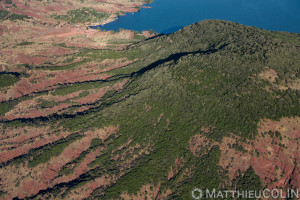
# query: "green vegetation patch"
{"type": "Point", "coordinates": [49, 104]}
{"type": "Point", "coordinates": [4, 15]}
{"type": "Point", "coordinates": [89, 55]}
{"type": "Point", "coordinates": [7, 79]}
{"type": "Point", "coordinates": [25, 43]}
{"type": "Point", "coordinates": [7, 106]}
{"type": "Point", "coordinates": [248, 181]}
{"type": "Point", "coordinates": [53, 150]}
{"type": "Point", "coordinates": [68, 89]}
{"type": "Point", "coordinates": [65, 67]}
{"type": "Point", "coordinates": [131, 54]}
{"type": "Point", "coordinates": [83, 15]}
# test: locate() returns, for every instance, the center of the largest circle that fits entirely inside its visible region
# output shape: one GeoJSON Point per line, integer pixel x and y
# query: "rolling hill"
{"type": "Point", "coordinates": [213, 105]}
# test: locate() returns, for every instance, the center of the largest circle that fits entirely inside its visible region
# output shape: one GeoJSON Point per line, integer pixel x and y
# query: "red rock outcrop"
{"type": "Point", "coordinates": [274, 158]}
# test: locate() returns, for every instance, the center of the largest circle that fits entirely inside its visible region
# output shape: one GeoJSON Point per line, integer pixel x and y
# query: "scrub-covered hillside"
{"type": "Point", "coordinates": [214, 105]}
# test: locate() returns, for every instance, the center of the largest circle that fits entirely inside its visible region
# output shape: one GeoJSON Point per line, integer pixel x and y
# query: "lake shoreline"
{"type": "Point", "coordinates": [163, 18]}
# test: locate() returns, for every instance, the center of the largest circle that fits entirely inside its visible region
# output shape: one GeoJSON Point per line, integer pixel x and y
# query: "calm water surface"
{"type": "Point", "coordinates": [168, 16]}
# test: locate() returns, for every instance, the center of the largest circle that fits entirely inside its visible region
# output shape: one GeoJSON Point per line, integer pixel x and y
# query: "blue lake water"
{"type": "Point", "coordinates": [167, 16]}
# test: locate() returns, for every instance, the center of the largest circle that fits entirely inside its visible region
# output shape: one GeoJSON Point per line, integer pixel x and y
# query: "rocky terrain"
{"type": "Point", "coordinates": [41, 51]}
{"type": "Point", "coordinates": [94, 114]}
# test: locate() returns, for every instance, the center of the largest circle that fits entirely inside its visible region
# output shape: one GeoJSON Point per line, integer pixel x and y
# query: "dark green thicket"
{"type": "Point", "coordinates": [202, 75]}
{"type": "Point", "coordinates": [7, 79]}
{"type": "Point", "coordinates": [6, 107]}
{"type": "Point", "coordinates": [25, 43]}
{"type": "Point", "coordinates": [4, 15]}
{"type": "Point", "coordinates": [248, 181]}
